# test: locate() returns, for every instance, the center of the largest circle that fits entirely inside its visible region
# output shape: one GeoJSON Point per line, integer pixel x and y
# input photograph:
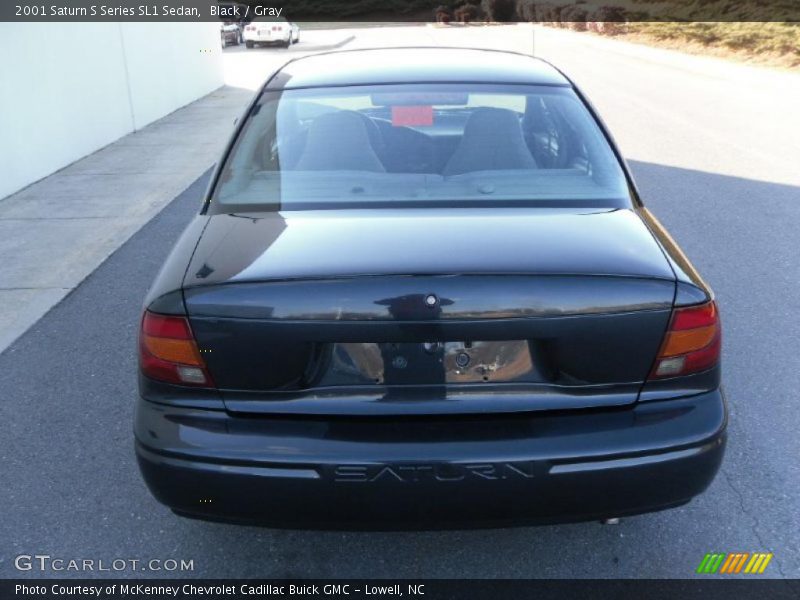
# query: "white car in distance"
{"type": "Point", "coordinates": [271, 31]}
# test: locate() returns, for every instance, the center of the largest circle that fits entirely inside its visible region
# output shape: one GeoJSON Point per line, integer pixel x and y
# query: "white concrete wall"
{"type": "Point", "coordinates": [68, 89]}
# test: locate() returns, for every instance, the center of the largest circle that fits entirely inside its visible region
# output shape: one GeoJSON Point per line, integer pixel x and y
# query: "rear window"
{"type": "Point", "coordinates": [422, 145]}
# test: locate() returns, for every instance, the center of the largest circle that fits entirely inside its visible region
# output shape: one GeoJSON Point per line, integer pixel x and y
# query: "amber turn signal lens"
{"type": "Point", "coordinates": [176, 351]}
{"type": "Point", "coordinates": [688, 340]}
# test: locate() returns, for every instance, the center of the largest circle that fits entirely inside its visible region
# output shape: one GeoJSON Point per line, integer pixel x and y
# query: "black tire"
{"type": "Point", "coordinates": [249, 43]}
{"type": "Point", "coordinates": [288, 42]}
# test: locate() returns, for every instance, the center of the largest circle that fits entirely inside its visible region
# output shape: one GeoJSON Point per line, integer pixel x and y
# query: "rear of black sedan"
{"type": "Point", "coordinates": [423, 292]}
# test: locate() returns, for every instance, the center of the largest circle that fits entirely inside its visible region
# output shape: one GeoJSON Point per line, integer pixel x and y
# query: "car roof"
{"type": "Point", "coordinates": [415, 65]}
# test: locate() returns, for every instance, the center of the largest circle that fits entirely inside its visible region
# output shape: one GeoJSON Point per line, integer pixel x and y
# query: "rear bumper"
{"type": "Point", "coordinates": [267, 39]}
{"type": "Point", "coordinates": [431, 473]}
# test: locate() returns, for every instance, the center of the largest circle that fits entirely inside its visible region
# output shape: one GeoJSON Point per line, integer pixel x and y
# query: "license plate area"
{"type": "Point", "coordinates": [427, 363]}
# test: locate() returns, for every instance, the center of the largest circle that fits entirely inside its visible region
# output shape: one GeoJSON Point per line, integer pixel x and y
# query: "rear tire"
{"type": "Point", "coordinates": [249, 43]}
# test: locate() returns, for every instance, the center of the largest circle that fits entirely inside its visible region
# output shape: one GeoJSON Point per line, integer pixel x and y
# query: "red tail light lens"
{"type": "Point", "coordinates": [168, 352]}
{"type": "Point", "coordinates": [692, 342]}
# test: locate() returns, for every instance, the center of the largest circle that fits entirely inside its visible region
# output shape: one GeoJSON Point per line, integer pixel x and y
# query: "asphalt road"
{"type": "Point", "coordinates": [714, 151]}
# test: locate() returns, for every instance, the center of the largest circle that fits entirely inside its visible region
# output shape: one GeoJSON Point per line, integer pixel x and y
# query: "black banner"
{"type": "Point", "coordinates": [442, 11]}
{"type": "Point", "coordinates": [432, 589]}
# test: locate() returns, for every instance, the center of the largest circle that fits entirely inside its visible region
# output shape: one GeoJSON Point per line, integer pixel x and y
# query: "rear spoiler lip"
{"type": "Point", "coordinates": [321, 277]}
{"type": "Point", "coordinates": [488, 298]}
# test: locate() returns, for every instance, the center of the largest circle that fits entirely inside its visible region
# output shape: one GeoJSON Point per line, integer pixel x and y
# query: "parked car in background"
{"type": "Point", "coordinates": [423, 290]}
{"type": "Point", "coordinates": [274, 31]}
{"type": "Point", "coordinates": [230, 34]}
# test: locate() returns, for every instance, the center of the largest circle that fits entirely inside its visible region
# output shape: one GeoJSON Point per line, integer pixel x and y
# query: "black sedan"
{"type": "Point", "coordinates": [423, 291]}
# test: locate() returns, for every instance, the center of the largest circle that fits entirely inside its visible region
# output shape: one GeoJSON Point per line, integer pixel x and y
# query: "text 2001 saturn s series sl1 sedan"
{"type": "Point", "coordinates": [423, 292]}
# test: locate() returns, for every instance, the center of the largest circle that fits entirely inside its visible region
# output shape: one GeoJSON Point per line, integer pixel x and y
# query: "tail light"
{"type": "Point", "coordinates": [250, 28]}
{"type": "Point", "coordinates": [276, 28]}
{"type": "Point", "coordinates": [168, 352]}
{"type": "Point", "coordinates": [692, 342]}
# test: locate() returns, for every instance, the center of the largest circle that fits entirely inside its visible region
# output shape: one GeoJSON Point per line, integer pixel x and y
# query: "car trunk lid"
{"type": "Point", "coordinates": [408, 312]}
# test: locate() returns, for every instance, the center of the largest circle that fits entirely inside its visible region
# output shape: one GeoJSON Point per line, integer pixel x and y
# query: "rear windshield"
{"type": "Point", "coordinates": [421, 145]}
